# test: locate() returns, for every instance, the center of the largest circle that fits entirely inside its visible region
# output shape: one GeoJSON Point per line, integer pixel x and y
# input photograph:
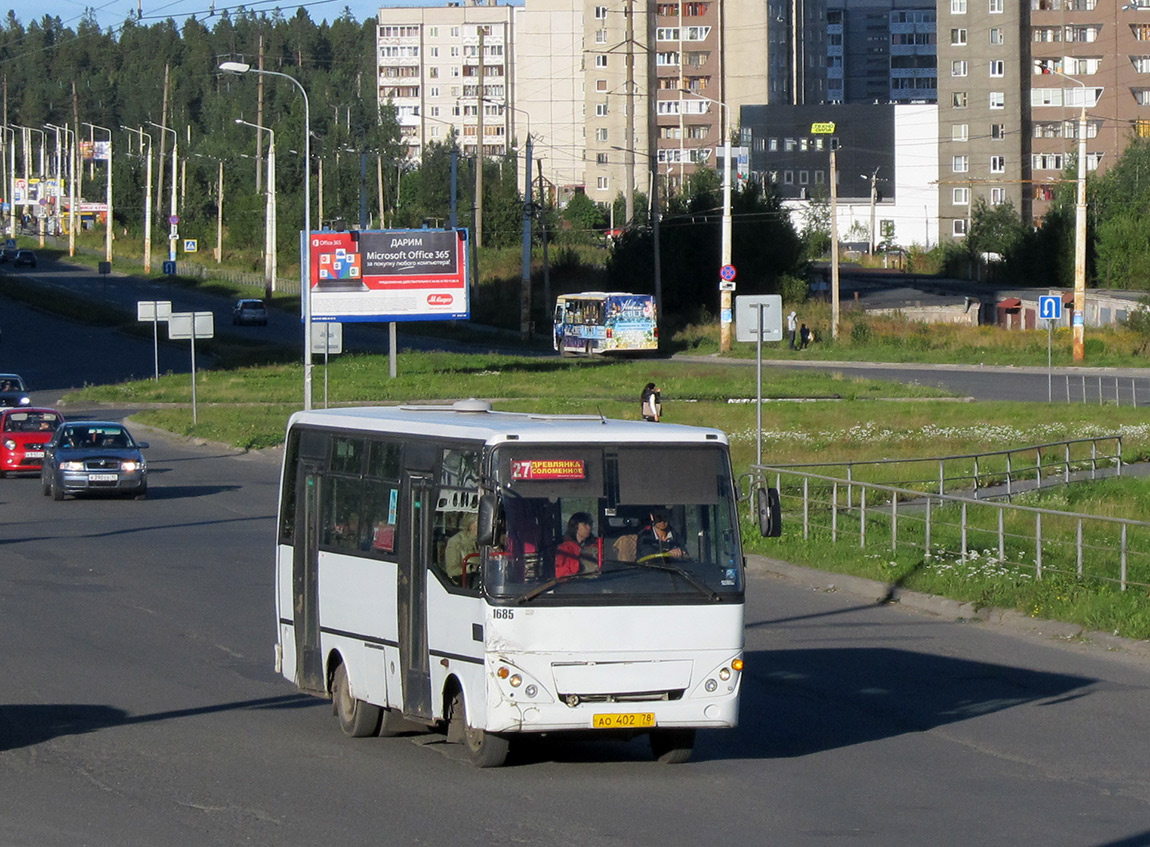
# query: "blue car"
{"type": "Point", "coordinates": [94, 457]}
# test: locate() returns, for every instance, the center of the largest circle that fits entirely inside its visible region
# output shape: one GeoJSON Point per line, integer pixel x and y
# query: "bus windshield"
{"type": "Point", "coordinates": [619, 524]}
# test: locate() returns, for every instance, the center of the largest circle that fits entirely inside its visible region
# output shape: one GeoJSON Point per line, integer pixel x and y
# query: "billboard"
{"type": "Point", "coordinates": [389, 275]}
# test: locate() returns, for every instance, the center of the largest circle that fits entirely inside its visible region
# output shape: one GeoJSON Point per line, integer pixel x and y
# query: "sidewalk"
{"type": "Point", "coordinates": [880, 593]}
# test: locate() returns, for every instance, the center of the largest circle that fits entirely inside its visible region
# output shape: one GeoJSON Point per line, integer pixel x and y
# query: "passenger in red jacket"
{"type": "Point", "coordinates": [577, 552]}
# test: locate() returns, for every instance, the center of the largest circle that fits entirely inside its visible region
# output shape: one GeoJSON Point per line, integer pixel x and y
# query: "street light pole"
{"type": "Point", "coordinates": [147, 197]}
{"type": "Point", "coordinates": [173, 219]}
{"type": "Point", "coordinates": [71, 170]}
{"type": "Point", "coordinates": [305, 259]}
{"type": "Point", "coordinates": [108, 200]}
{"type": "Point", "coordinates": [725, 257]}
{"type": "Point", "coordinates": [269, 212]}
{"type": "Point", "coordinates": [10, 187]}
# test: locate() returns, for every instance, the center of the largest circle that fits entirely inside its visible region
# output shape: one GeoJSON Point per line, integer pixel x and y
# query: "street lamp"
{"type": "Point", "coordinates": [26, 137]}
{"type": "Point", "coordinates": [1079, 319]}
{"type": "Point", "coordinates": [71, 170]}
{"type": "Point", "coordinates": [108, 201]}
{"type": "Point", "coordinates": [173, 218]}
{"type": "Point", "coordinates": [305, 259]}
{"type": "Point", "coordinates": [147, 197]}
{"type": "Point", "coordinates": [10, 187]}
{"type": "Point", "coordinates": [725, 258]}
{"type": "Point", "coordinates": [270, 213]}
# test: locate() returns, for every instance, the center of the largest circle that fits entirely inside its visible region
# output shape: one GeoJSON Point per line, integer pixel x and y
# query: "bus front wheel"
{"type": "Point", "coordinates": [357, 719]}
{"type": "Point", "coordinates": [672, 746]}
{"type": "Point", "coordinates": [484, 749]}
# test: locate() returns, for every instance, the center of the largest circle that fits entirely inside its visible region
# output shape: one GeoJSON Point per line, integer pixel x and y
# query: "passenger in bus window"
{"type": "Point", "coordinates": [577, 551]}
{"type": "Point", "coordinates": [461, 547]}
{"type": "Point", "coordinates": [659, 540]}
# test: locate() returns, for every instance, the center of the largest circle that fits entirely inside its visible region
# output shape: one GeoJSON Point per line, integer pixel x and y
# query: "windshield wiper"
{"type": "Point", "coordinates": [657, 563]}
{"type": "Point", "coordinates": [551, 583]}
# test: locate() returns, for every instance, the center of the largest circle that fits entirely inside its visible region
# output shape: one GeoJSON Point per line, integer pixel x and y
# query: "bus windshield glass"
{"type": "Point", "coordinates": [653, 523]}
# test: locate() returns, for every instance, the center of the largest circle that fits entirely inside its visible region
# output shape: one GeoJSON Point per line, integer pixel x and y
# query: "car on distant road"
{"type": "Point", "coordinates": [250, 313]}
{"type": "Point", "coordinates": [13, 391]}
{"type": "Point", "coordinates": [23, 433]}
{"type": "Point", "coordinates": [94, 457]}
{"type": "Point", "coordinates": [24, 259]}
{"type": "Point", "coordinates": [8, 254]}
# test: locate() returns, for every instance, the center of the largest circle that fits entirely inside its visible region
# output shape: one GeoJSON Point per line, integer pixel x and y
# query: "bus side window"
{"type": "Point", "coordinates": [379, 513]}
{"type": "Point", "coordinates": [454, 553]}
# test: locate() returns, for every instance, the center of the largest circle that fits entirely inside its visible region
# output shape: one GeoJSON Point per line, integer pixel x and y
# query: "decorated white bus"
{"type": "Point", "coordinates": [492, 575]}
{"type": "Point", "coordinates": [596, 322]}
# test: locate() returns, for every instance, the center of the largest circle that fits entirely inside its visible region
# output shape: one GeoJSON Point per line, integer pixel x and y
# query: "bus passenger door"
{"type": "Point", "coordinates": [414, 661]}
{"type": "Point", "coordinates": [309, 675]}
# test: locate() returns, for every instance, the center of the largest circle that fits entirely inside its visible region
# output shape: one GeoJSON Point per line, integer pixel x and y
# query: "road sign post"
{"type": "Point", "coordinates": [154, 311]}
{"type": "Point", "coordinates": [759, 318]}
{"type": "Point", "coordinates": [192, 325]}
{"type": "Point", "coordinates": [1050, 310]}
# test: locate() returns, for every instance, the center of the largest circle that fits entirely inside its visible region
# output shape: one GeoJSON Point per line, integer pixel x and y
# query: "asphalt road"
{"type": "Point", "coordinates": [141, 708]}
{"type": "Point", "coordinates": [140, 704]}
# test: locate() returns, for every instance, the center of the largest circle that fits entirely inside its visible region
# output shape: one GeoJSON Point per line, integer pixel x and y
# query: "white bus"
{"type": "Point", "coordinates": [389, 607]}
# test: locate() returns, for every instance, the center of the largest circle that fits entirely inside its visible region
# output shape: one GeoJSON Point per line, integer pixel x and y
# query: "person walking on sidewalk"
{"type": "Point", "coordinates": [651, 404]}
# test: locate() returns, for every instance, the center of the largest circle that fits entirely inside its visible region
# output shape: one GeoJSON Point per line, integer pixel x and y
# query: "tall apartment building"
{"type": "Point", "coordinates": [1092, 53]}
{"type": "Point", "coordinates": [1013, 81]}
{"type": "Point", "coordinates": [982, 107]}
{"type": "Point", "coordinates": [881, 51]}
{"type": "Point", "coordinates": [431, 69]}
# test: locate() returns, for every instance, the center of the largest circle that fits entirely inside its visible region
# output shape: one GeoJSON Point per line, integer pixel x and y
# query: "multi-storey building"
{"type": "Point", "coordinates": [1083, 54]}
{"type": "Point", "coordinates": [881, 51]}
{"type": "Point", "coordinates": [449, 68]}
{"type": "Point", "coordinates": [982, 107]}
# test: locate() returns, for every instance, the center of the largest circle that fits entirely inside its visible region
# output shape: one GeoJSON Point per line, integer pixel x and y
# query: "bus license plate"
{"type": "Point", "coordinates": [627, 720]}
{"type": "Point", "coordinates": [101, 477]}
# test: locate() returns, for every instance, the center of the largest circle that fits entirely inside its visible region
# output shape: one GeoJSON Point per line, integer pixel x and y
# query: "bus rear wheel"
{"type": "Point", "coordinates": [672, 746]}
{"type": "Point", "coordinates": [357, 719]}
{"type": "Point", "coordinates": [484, 749]}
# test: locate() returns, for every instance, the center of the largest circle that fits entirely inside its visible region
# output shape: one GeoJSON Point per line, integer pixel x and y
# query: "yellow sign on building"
{"type": "Point", "coordinates": [826, 128]}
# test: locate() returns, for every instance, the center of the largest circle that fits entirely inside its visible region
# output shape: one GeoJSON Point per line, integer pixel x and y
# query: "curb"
{"type": "Point", "coordinates": [944, 607]}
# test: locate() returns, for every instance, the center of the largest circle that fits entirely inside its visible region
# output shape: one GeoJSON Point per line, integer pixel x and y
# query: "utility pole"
{"type": "Point", "coordinates": [834, 244]}
{"type": "Point", "coordinates": [629, 144]}
{"type": "Point", "coordinates": [525, 290]}
{"type": "Point", "coordinates": [259, 116]}
{"type": "Point", "coordinates": [873, 200]}
{"type": "Point", "coordinates": [479, 149]}
{"type": "Point", "coordinates": [543, 235]}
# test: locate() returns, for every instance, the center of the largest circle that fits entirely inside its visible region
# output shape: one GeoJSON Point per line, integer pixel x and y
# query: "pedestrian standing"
{"type": "Point", "coordinates": [650, 403]}
{"type": "Point", "coordinates": [804, 337]}
{"type": "Point", "coordinates": [792, 327]}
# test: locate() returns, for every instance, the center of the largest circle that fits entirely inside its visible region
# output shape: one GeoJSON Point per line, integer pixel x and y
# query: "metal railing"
{"type": "Point", "coordinates": [999, 473]}
{"type": "Point", "coordinates": [1012, 536]}
{"type": "Point", "coordinates": [1102, 390]}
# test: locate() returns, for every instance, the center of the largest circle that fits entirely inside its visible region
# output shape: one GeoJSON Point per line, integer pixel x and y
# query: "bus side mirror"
{"type": "Point", "coordinates": [770, 512]}
{"type": "Point", "coordinates": [485, 527]}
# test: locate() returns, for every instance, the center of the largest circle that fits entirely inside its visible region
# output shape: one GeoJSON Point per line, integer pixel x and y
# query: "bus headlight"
{"type": "Point", "coordinates": [516, 680]}
{"type": "Point", "coordinates": [530, 690]}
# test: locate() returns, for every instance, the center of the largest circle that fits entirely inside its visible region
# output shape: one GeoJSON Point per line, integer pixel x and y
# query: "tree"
{"type": "Point", "coordinates": [583, 218]}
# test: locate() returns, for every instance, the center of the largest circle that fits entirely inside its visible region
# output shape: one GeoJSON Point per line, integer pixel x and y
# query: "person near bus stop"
{"type": "Point", "coordinates": [460, 547]}
{"type": "Point", "coordinates": [804, 336]}
{"type": "Point", "coordinates": [651, 402]}
{"type": "Point", "coordinates": [792, 324]}
{"type": "Point", "coordinates": [658, 540]}
{"type": "Point", "coordinates": [576, 550]}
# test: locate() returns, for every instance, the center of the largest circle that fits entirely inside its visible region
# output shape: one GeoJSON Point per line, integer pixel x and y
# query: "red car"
{"type": "Point", "coordinates": [23, 433]}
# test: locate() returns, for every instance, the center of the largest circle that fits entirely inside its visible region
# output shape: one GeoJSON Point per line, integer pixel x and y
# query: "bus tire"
{"type": "Point", "coordinates": [357, 719]}
{"type": "Point", "coordinates": [672, 746]}
{"type": "Point", "coordinates": [484, 749]}
{"type": "Point", "coordinates": [391, 723]}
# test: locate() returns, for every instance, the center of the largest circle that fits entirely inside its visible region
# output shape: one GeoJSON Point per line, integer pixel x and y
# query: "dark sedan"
{"type": "Point", "coordinates": [13, 391]}
{"type": "Point", "coordinates": [94, 457]}
{"type": "Point", "coordinates": [24, 259]}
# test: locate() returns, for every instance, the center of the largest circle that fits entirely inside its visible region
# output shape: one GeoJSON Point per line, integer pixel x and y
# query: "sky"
{"type": "Point", "coordinates": [112, 13]}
